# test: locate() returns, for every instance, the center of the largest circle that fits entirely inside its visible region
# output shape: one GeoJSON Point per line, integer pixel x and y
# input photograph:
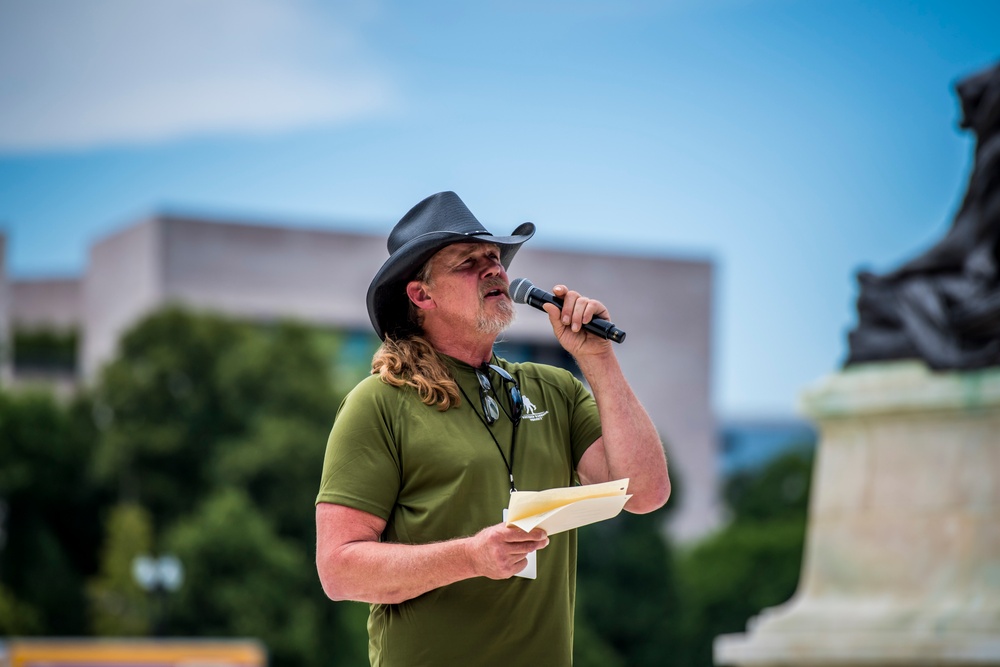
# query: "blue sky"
{"type": "Point", "coordinates": [791, 143]}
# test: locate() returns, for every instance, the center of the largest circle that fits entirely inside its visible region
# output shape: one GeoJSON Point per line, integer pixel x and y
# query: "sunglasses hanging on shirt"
{"type": "Point", "coordinates": [491, 408]}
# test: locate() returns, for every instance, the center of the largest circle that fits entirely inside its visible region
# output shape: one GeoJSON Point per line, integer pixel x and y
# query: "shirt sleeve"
{"type": "Point", "coordinates": [361, 468]}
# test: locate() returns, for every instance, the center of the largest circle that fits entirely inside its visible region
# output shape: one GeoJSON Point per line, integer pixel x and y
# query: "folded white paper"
{"type": "Point", "coordinates": [558, 510]}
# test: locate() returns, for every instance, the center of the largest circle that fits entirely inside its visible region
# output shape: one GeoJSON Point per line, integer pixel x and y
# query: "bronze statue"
{"type": "Point", "coordinates": [944, 306]}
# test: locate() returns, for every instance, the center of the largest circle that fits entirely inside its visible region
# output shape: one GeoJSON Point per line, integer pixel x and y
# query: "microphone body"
{"type": "Point", "coordinates": [522, 291]}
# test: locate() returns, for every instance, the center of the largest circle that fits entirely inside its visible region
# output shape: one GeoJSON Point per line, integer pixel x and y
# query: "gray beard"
{"type": "Point", "coordinates": [496, 324]}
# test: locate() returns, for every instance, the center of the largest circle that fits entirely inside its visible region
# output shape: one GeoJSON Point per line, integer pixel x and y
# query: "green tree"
{"type": "Point", "coordinates": [242, 579]}
{"type": "Point", "coordinates": [278, 385]}
{"type": "Point", "coordinates": [118, 606]}
{"type": "Point", "coordinates": [219, 428]}
{"type": "Point", "coordinates": [732, 576]}
{"type": "Point", "coordinates": [628, 606]}
{"type": "Point", "coordinates": [752, 563]}
{"type": "Point", "coordinates": [627, 593]}
{"type": "Point", "coordinates": [162, 412]}
{"type": "Point", "coordinates": [196, 401]}
{"type": "Point", "coordinates": [780, 490]}
{"type": "Point", "coordinates": [16, 616]}
{"type": "Point", "coordinates": [49, 526]}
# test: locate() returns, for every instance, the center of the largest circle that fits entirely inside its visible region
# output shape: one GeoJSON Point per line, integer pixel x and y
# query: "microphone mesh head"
{"type": "Point", "coordinates": [519, 288]}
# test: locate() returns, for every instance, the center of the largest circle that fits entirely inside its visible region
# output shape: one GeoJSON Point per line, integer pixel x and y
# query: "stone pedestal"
{"type": "Point", "coordinates": [902, 560]}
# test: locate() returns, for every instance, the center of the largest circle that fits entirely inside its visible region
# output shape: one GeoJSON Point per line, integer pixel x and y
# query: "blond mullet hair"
{"type": "Point", "coordinates": [413, 362]}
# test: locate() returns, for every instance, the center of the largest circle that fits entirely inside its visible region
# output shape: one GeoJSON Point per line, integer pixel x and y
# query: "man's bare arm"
{"type": "Point", "coordinates": [353, 563]}
{"type": "Point", "coordinates": [630, 446]}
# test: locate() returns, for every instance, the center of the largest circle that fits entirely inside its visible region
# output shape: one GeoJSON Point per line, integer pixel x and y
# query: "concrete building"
{"type": "Point", "coordinates": [262, 273]}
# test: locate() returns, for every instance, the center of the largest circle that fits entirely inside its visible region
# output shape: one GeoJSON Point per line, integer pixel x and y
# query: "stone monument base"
{"type": "Point", "coordinates": [902, 559]}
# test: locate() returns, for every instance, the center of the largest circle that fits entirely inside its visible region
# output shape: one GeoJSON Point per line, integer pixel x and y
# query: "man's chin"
{"type": "Point", "coordinates": [499, 321]}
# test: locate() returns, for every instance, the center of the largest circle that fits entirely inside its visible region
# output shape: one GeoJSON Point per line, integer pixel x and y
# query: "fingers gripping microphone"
{"type": "Point", "coordinates": [522, 291]}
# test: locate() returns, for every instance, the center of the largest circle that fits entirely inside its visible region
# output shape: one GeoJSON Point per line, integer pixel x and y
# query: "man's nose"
{"type": "Point", "coordinates": [492, 268]}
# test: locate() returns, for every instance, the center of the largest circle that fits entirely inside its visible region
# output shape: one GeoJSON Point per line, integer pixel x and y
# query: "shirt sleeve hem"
{"type": "Point", "coordinates": [353, 503]}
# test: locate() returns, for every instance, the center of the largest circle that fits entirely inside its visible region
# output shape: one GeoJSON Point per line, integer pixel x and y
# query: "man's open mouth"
{"type": "Point", "coordinates": [495, 292]}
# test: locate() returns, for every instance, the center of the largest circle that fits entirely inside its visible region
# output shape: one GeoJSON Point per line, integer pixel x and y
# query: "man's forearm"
{"type": "Point", "coordinates": [354, 564]}
{"type": "Point", "coordinates": [388, 573]}
{"type": "Point", "coordinates": [631, 444]}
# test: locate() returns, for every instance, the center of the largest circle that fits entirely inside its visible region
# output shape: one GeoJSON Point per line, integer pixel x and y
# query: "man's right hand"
{"type": "Point", "coordinates": [500, 552]}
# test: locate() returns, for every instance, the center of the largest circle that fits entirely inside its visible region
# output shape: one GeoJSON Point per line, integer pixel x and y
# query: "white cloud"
{"type": "Point", "coordinates": [82, 73]}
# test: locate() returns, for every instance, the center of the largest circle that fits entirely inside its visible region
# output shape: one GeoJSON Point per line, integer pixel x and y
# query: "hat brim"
{"type": "Point", "coordinates": [387, 301]}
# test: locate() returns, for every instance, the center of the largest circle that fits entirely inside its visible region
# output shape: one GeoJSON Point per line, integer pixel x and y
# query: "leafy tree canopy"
{"type": "Point", "coordinates": [49, 528]}
{"type": "Point", "coordinates": [752, 563]}
{"type": "Point", "coordinates": [196, 401]}
{"type": "Point", "coordinates": [219, 427]}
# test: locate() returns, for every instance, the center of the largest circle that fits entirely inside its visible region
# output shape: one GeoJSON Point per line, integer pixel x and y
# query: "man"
{"type": "Point", "coordinates": [424, 454]}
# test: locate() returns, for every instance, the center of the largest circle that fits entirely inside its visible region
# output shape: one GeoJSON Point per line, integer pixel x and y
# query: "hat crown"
{"type": "Point", "coordinates": [441, 212]}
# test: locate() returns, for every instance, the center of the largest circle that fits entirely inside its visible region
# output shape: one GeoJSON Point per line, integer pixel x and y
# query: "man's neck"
{"type": "Point", "coordinates": [474, 350]}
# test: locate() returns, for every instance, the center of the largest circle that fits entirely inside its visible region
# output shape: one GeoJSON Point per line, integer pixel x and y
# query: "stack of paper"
{"type": "Point", "coordinates": [556, 510]}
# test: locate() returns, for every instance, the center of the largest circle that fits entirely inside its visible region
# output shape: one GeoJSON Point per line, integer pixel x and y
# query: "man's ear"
{"type": "Point", "coordinates": [417, 293]}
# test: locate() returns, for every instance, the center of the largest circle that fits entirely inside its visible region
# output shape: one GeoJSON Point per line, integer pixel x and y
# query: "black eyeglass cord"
{"type": "Point", "coordinates": [513, 437]}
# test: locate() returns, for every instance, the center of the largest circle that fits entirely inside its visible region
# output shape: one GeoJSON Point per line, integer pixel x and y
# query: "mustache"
{"type": "Point", "coordinates": [495, 284]}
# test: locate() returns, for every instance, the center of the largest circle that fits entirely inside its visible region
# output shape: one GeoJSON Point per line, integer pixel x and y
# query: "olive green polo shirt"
{"type": "Point", "coordinates": [435, 476]}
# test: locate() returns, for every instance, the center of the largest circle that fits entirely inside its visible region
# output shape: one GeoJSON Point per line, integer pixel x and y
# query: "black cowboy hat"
{"type": "Point", "coordinates": [439, 220]}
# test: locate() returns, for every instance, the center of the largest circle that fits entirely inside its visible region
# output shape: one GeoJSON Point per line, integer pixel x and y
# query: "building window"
{"type": "Point", "coordinates": [45, 350]}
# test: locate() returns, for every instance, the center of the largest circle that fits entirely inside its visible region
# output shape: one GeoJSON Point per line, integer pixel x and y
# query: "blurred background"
{"type": "Point", "coordinates": [785, 145]}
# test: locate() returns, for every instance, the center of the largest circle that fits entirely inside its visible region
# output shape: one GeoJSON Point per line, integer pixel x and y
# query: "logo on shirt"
{"type": "Point", "coordinates": [530, 411]}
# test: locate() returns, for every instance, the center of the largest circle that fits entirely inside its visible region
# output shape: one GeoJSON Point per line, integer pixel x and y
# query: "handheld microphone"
{"type": "Point", "coordinates": [522, 291]}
